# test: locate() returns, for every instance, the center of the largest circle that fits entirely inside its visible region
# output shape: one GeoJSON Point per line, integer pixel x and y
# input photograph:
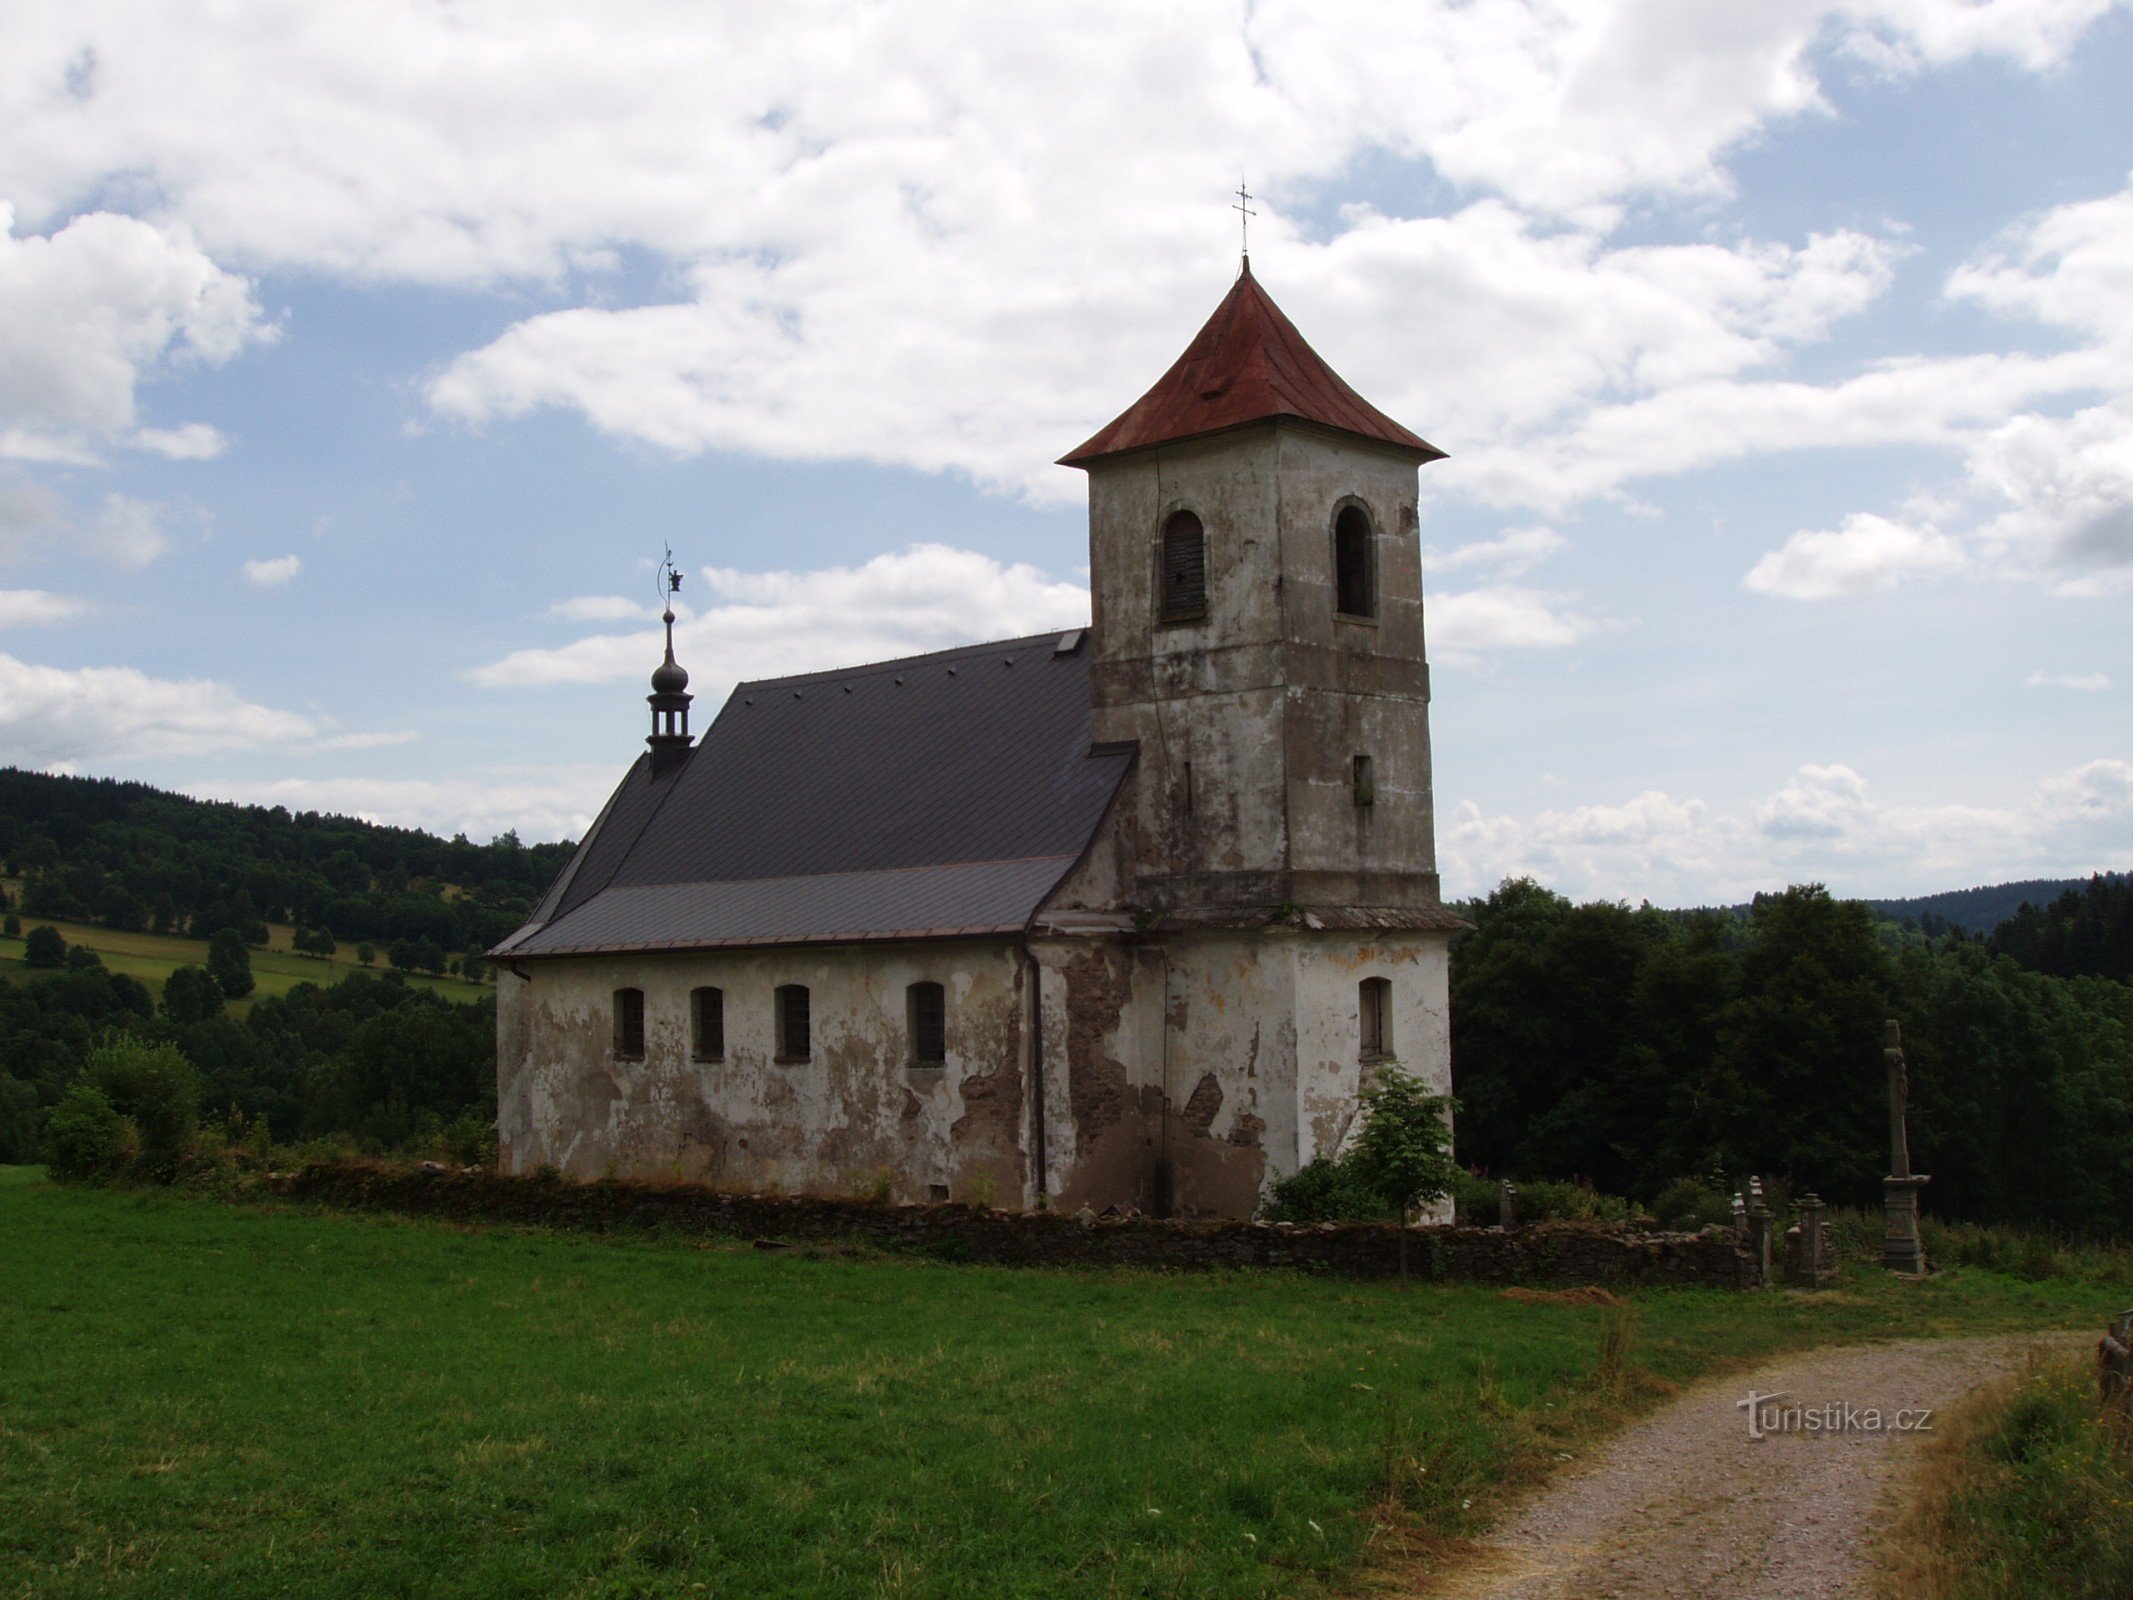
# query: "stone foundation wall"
{"type": "Point", "coordinates": [1543, 1252]}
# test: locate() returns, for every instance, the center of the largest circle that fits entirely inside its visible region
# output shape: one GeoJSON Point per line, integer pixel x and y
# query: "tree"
{"type": "Point", "coordinates": [12, 927]}
{"type": "Point", "coordinates": [366, 952]}
{"type": "Point", "coordinates": [44, 948]}
{"type": "Point", "coordinates": [190, 995]}
{"type": "Point", "coordinates": [154, 1086]}
{"type": "Point", "coordinates": [229, 963]}
{"type": "Point", "coordinates": [1404, 1153]}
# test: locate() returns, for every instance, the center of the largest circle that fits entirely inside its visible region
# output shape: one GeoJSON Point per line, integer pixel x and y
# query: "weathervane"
{"type": "Point", "coordinates": [669, 583]}
{"type": "Point", "coordinates": [1243, 208]}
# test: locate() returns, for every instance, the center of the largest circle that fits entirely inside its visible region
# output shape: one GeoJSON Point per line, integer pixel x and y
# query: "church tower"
{"type": "Point", "coordinates": [1257, 631]}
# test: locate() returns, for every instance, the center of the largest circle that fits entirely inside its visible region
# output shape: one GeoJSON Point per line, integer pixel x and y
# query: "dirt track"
{"type": "Point", "coordinates": [1686, 1503]}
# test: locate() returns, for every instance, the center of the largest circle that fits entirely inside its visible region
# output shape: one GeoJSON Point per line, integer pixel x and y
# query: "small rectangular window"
{"type": "Point", "coordinates": [1185, 790]}
{"type": "Point", "coordinates": [795, 1041]}
{"type": "Point", "coordinates": [1374, 1002]}
{"type": "Point", "coordinates": [708, 1016]}
{"type": "Point", "coordinates": [1366, 788]}
{"type": "Point", "coordinates": [926, 1017]}
{"type": "Point", "coordinates": [629, 1024]}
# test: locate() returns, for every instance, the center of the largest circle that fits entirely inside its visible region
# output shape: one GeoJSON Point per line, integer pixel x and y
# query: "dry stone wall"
{"type": "Point", "coordinates": [1543, 1252]}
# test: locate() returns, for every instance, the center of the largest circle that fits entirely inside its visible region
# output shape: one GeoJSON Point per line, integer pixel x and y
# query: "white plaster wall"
{"type": "Point", "coordinates": [827, 1125]}
{"type": "Point", "coordinates": [1330, 969]}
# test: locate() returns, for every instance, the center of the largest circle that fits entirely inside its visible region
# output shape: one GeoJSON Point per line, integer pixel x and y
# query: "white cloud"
{"type": "Point", "coordinates": [1824, 826]}
{"type": "Point", "coordinates": [1867, 555]}
{"type": "Point", "coordinates": [50, 715]}
{"type": "Point", "coordinates": [34, 520]}
{"type": "Point", "coordinates": [1502, 616]}
{"type": "Point", "coordinates": [2088, 682]}
{"type": "Point", "coordinates": [86, 311]}
{"type": "Point", "coordinates": [127, 531]}
{"type": "Point", "coordinates": [22, 608]}
{"type": "Point", "coordinates": [1509, 555]}
{"type": "Point", "coordinates": [272, 572]}
{"type": "Point", "coordinates": [194, 441]}
{"type": "Point", "coordinates": [540, 803]}
{"type": "Point", "coordinates": [599, 608]}
{"type": "Point", "coordinates": [766, 624]}
{"type": "Point", "coordinates": [31, 514]}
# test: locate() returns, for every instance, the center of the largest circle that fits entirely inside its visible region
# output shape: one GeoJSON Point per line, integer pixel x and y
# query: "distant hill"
{"type": "Point", "coordinates": [142, 860]}
{"type": "Point", "coordinates": [1981, 910]}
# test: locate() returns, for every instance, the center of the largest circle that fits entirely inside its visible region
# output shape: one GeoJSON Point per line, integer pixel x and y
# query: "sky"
{"type": "Point", "coordinates": [358, 362]}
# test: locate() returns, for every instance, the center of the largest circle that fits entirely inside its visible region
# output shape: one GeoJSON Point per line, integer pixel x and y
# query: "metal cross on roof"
{"type": "Point", "coordinates": [1244, 219]}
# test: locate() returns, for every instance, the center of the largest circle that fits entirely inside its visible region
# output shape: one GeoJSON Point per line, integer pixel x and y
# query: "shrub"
{"type": "Point", "coordinates": [1321, 1191]}
{"type": "Point", "coordinates": [153, 1086]}
{"type": "Point", "coordinates": [87, 1140]}
{"type": "Point", "coordinates": [1690, 1203]}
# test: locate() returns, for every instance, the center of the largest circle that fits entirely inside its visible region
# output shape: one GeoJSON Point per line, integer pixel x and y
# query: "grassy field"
{"type": "Point", "coordinates": [2026, 1494]}
{"type": "Point", "coordinates": [152, 957]}
{"type": "Point", "coordinates": [202, 1398]}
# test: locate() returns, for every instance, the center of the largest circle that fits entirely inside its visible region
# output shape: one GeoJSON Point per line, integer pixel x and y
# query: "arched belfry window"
{"type": "Point", "coordinates": [1183, 578]}
{"type": "Point", "coordinates": [1355, 578]}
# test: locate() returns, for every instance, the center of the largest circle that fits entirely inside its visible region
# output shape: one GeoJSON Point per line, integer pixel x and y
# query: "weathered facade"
{"type": "Point", "coordinates": [1117, 917]}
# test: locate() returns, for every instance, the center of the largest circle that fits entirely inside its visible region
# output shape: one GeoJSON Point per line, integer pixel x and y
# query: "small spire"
{"type": "Point", "coordinates": [670, 697]}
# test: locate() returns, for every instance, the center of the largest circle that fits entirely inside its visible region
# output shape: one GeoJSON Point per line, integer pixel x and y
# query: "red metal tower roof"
{"type": "Point", "coordinates": [1247, 364]}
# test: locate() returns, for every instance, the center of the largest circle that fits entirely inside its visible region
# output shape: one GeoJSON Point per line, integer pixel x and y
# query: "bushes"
{"type": "Point", "coordinates": [1401, 1159]}
{"type": "Point", "coordinates": [86, 1140]}
{"type": "Point", "coordinates": [132, 1113]}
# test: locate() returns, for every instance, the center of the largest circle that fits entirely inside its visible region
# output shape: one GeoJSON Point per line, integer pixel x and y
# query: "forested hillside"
{"type": "Point", "coordinates": [1630, 1048]}
{"type": "Point", "coordinates": [2086, 931]}
{"type": "Point", "coordinates": [135, 858]}
{"type": "Point", "coordinates": [1978, 910]}
{"type": "Point", "coordinates": [374, 1057]}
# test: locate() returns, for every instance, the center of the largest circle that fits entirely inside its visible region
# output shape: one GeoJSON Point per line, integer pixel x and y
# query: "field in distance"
{"type": "Point", "coordinates": [153, 957]}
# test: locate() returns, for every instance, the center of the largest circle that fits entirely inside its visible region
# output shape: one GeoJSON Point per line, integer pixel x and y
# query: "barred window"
{"type": "Point", "coordinates": [629, 1024]}
{"type": "Point", "coordinates": [1184, 575]}
{"type": "Point", "coordinates": [926, 1019]}
{"type": "Point", "coordinates": [795, 1041]}
{"type": "Point", "coordinates": [707, 1012]}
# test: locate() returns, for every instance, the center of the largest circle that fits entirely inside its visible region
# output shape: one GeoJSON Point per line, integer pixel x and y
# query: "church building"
{"type": "Point", "coordinates": [1125, 915]}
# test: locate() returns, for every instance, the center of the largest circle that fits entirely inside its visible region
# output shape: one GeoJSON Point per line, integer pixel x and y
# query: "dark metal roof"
{"type": "Point", "coordinates": [1248, 364]}
{"type": "Point", "coordinates": [938, 795]}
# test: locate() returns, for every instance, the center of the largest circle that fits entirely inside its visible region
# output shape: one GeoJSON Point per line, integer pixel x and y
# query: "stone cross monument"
{"type": "Point", "coordinates": [1900, 1249]}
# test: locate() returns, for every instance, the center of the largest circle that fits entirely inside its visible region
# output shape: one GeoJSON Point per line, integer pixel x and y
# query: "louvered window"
{"type": "Point", "coordinates": [926, 1014]}
{"type": "Point", "coordinates": [1354, 564]}
{"type": "Point", "coordinates": [1184, 575]}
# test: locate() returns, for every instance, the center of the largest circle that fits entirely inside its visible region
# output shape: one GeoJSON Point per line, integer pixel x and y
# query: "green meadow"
{"type": "Point", "coordinates": [260, 1399]}
{"type": "Point", "coordinates": [152, 957]}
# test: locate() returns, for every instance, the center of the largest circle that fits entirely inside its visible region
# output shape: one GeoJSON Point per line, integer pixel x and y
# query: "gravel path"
{"type": "Point", "coordinates": [1686, 1503]}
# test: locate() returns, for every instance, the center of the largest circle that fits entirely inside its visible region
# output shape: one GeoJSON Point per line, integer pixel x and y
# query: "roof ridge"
{"type": "Point", "coordinates": [864, 669]}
